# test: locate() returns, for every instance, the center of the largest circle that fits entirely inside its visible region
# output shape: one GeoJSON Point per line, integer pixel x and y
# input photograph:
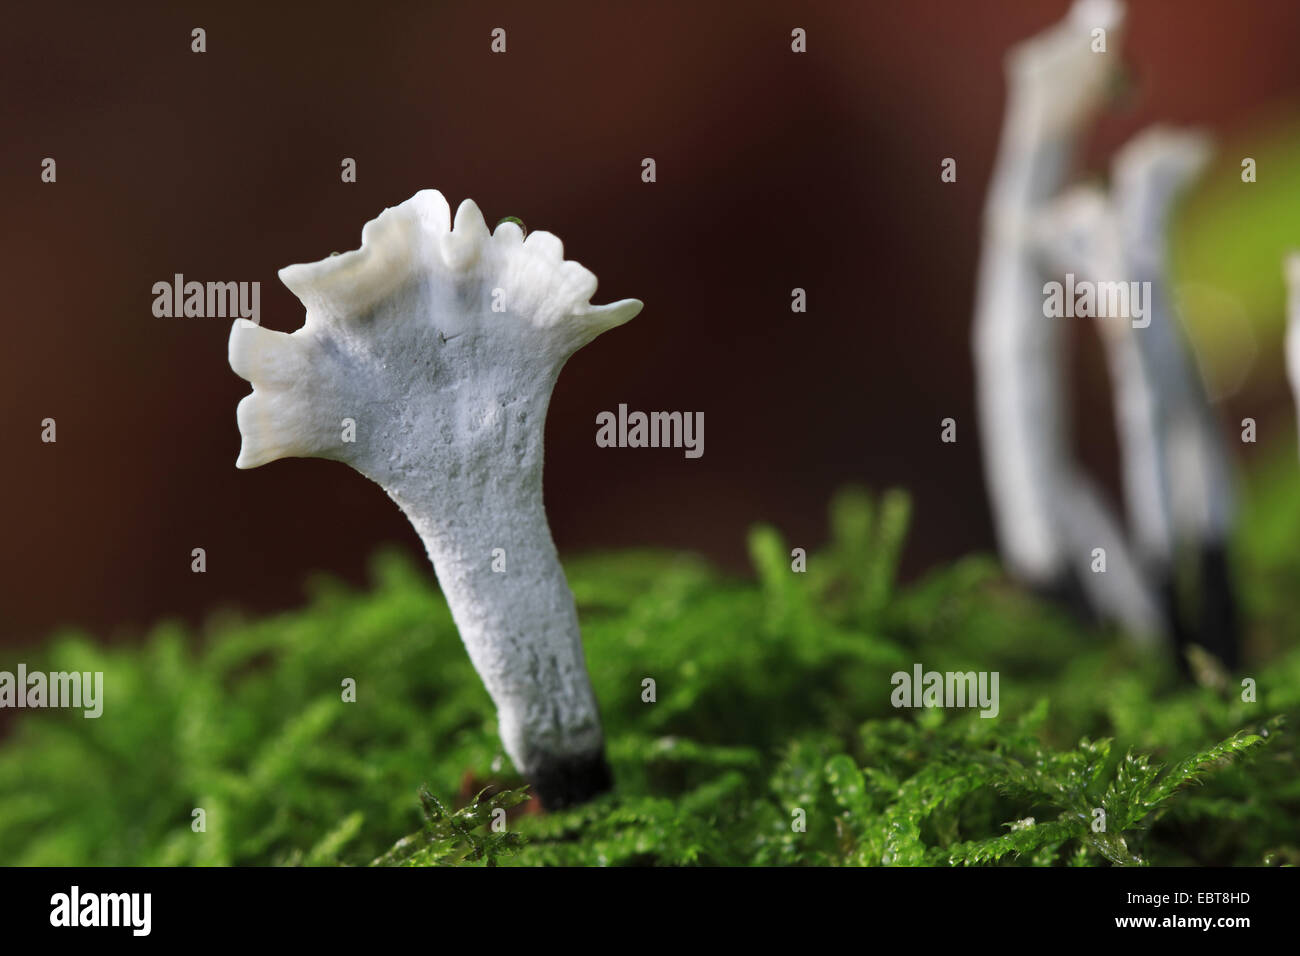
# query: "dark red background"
{"type": "Point", "coordinates": [775, 170]}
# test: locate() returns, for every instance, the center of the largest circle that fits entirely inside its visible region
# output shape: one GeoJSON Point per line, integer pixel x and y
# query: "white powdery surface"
{"type": "Point", "coordinates": [1150, 173]}
{"type": "Point", "coordinates": [442, 344]}
{"type": "Point", "coordinates": [1055, 85]}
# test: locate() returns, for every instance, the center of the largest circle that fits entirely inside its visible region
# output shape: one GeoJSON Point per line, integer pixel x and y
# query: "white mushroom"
{"type": "Point", "coordinates": [1150, 173]}
{"type": "Point", "coordinates": [442, 344]}
{"type": "Point", "coordinates": [1079, 234]}
{"type": "Point", "coordinates": [1055, 83]}
{"type": "Point", "coordinates": [1176, 476]}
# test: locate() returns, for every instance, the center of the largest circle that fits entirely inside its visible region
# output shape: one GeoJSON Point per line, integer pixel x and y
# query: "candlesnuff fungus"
{"type": "Point", "coordinates": [441, 345]}
{"type": "Point", "coordinates": [1080, 235]}
{"type": "Point", "coordinates": [1176, 477]}
{"type": "Point", "coordinates": [1047, 521]}
{"type": "Point", "coordinates": [1149, 174]}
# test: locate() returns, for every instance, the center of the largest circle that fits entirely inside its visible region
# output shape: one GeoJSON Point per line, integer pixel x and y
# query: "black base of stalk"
{"type": "Point", "coordinates": [1214, 626]}
{"type": "Point", "coordinates": [1207, 616]}
{"type": "Point", "coordinates": [1218, 607]}
{"type": "Point", "coordinates": [561, 782]}
{"type": "Point", "coordinates": [1066, 591]}
{"type": "Point", "coordinates": [1181, 636]}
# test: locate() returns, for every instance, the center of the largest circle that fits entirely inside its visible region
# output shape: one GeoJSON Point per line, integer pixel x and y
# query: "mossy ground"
{"type": "Point", "coordinates": [772, 698]}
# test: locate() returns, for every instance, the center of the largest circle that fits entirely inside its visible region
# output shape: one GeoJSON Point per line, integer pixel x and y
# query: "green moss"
{"type": "Point", "coordinates": [771, 740]}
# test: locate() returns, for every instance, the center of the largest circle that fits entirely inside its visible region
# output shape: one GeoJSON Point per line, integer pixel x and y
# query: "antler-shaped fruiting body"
{"type": "Point", "coordinates": [426, 362]}
{"type": "Point", "coordinates": [1149, 175]}
{"type": "Point", "coordinates": [1177, 482]}
{"type": "Point", "coordinates": [1055, 83]}
{"type": "Point", "coordinates": [1079, 234]}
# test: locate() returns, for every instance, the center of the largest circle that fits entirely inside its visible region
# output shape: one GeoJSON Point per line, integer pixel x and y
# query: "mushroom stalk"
{"type": "Point", "coordinates": [1055, 84]}
{"type": "Point", "coordinates": [1080, 235]}
{"type": "Point", "coordinates": [520, 625]}
{"type": "Point", "coordinates": [426, 362]}
{"type": "Point", "coordinates": [1175, 473]}
{"type": "Point", "coordinates": [1150, 173]}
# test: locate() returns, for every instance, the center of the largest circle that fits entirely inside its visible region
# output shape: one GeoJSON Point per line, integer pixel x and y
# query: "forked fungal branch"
{"type": "Point", "coordinates": [442, 343]}
{"type": "Point", "coordinates": [1176, 475]}
{"type": "Point", "coordinates": [1046, 514]}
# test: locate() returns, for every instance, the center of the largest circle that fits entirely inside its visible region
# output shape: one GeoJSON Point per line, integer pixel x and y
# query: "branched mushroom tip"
{"type": "Point", "coordinates": [426, 362]}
